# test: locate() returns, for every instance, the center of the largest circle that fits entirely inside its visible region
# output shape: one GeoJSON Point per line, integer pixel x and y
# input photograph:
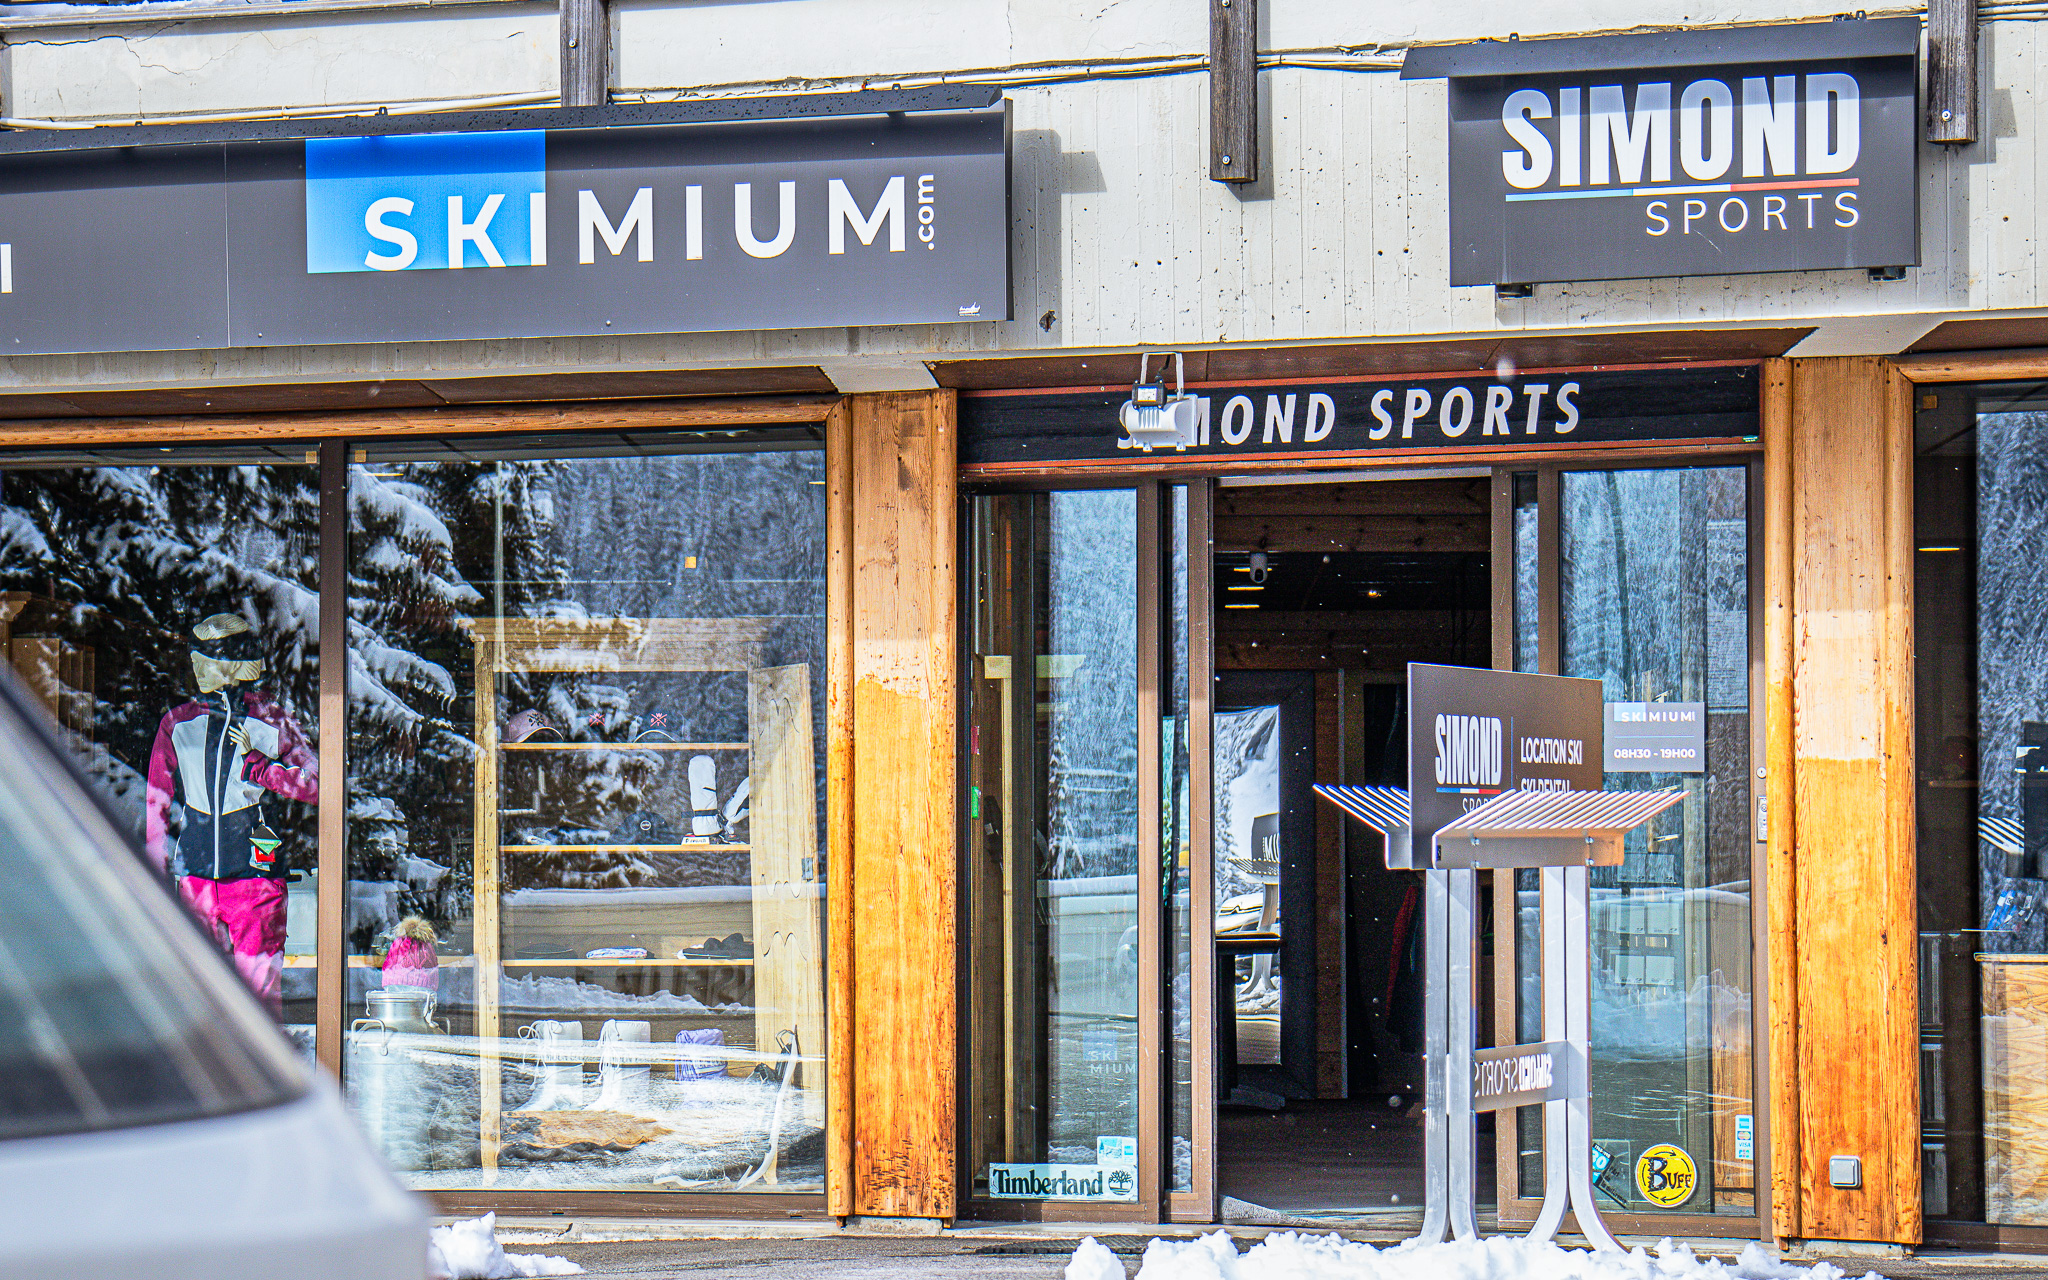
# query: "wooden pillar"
{"type": "Point", "coordinates": [892, 783]}
{"type": "Point", "coordinates": [1839, 683]}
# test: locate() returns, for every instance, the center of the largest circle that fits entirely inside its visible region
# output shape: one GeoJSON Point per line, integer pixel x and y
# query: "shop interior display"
{"type": "Point", "coordinates": [666, 1036]}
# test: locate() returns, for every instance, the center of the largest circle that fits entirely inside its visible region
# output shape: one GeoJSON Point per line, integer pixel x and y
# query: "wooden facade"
{"type": "Point", "coordinates": [1840, 1068]}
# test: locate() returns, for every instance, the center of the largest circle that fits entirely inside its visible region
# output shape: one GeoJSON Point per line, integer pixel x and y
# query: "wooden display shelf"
{"type": "Point", "coordinates": [624, 746]}
{"type": "Point", "coordinates": [627, 848]}
{"type": "Point", "coordinates": [787, 911]}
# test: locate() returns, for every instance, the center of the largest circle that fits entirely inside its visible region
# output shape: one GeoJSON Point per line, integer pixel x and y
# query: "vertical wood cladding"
{"type": "Point", "coordinates": [895, 944]}
{"type": "Point", "coordinates": [1843, 911]}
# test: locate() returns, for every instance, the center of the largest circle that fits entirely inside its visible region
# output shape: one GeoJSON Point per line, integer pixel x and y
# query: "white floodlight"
{"type": "Point", "coordinates": [1152, 418]}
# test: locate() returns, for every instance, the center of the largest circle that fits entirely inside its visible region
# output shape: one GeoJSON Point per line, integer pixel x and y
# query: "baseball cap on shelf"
{"type": "Point", "coordinates": [531, 726]}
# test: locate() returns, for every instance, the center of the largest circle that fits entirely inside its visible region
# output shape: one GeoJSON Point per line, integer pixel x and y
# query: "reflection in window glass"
{"type": "Point", "coordinates": [1248, 869]}
{"type": "Point", "coordinates": [1052, 888]}
{"type": "Point", "coordinates": [1655, 605]}
{"type": "Point", "coordinates": [166, 613]}
{"type": "Point", "coordinates": [585, 915]}
{"type": "Point", "coordinates": [1981, 705]}
{"type": "Point", "coordinates": [1176, 837]}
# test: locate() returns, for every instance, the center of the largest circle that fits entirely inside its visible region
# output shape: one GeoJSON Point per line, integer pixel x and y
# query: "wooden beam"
{"type": "Point", "coordinates": [1465, 497]}
{"type": "Point", "coordinates": [903, 866]}
{"type": "Point", "coordinates": [1975, 366]}
{"type": "Point", "coordinates": [839, 893]}
{"type": "Point", "coordinates": [586, 39]}
{"type": "Point", "coordinates": [1856, 992]}
{"type": "Point", "coordinates": [1951, 71]}
{"type": "Point", "coordinates": [1384, 534]}
{"type": "Point", "coordinates": [1781, 872]}
{"type": "Point", "coordinates": [1234, 90]}
{"type": "Point", "coordinates": [595, 415]}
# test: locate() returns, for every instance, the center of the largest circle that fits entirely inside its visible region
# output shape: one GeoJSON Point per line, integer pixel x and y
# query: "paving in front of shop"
{"type": "Point", "coordinates": [1008, 1251]}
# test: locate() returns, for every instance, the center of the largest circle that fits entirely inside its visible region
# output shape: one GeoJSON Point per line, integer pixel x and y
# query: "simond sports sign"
{"type": "Point", "coordinates": [1474, 733]}
{"type": "Point", "coordinates": [1775, 148]}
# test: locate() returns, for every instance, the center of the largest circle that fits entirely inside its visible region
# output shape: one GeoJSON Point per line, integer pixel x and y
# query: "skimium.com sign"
{"type": "Point", "coordinates": [1711, 152]}
{"type": "Point", "coordinates": [640, 227]}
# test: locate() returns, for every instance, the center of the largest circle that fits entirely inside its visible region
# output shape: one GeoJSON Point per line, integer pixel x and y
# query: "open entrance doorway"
{"type": "Point", "coordinates": [1186, 982]}
{"type": "Point", "coordinates": [1324, 593]}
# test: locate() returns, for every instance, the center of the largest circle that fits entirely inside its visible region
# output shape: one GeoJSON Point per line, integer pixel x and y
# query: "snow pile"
{"type": "Point", "coordinates": [1287, 1255]}
{"type": "Point", "coordinates": [470, 1251]}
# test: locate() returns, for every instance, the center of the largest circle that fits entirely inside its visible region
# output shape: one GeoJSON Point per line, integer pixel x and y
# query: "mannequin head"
{"type": "Point", "coordinates": [224, 652]}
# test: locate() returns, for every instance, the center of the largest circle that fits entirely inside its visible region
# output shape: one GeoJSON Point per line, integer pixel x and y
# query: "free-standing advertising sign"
{"type": "Point", "coordinates": [502, 232]}
{"type": "Point", "coordinates": [1474, 733]}
{"type": "Point", "coordinates": [1778, 148]}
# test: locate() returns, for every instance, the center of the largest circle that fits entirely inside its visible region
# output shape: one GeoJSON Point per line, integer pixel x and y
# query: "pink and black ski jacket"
{"type": "Point", "coordinates": [193, 764]}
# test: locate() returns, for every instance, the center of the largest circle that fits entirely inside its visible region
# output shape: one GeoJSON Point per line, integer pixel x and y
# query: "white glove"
{"type": "Point", "coordinates": [238, 733]}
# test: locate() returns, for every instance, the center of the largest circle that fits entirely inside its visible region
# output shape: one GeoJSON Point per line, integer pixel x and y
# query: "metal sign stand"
{"type": "Point", "coordinates": [1563, 833]}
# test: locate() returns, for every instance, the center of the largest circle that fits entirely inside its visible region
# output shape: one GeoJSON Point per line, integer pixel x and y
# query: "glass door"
{"type": "Point", "coordinates": [1642, 578]}
{"type": "Point", "coordinates": [1082, 802]}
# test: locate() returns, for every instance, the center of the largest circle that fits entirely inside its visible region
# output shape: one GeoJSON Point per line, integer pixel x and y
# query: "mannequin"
{"type": "Point", "coordinates": [216, 756]}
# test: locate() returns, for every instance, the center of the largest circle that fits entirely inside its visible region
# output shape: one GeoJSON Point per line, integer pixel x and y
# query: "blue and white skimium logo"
{"type": "Point", "coordinates": [426, 202]}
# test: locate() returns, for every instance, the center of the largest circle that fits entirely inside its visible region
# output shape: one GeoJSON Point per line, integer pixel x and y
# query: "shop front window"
{"type": "Point", "coordinates": [1981, 709]}
{"type": "Point", "coordinates": [1052, 878]}
{"type": "Point", "coordinates": [163, 607]}
{"type": "Point", "coordinates": [586, 914]}
{"type": "Point", "coordinates": [1654, 603]}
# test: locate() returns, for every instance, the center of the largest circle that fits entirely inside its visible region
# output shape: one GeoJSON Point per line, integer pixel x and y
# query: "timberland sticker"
{"type": "Point", "coordinates": [1061, 1182]}
{"type": "Point", "coordinates": [1665, 1175]}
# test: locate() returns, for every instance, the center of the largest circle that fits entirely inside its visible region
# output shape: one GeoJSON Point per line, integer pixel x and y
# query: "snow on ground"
{"type": "Point", "coordinates": [469, 1250]}
{"type": "Point", "coordinates": [1292, 1256]}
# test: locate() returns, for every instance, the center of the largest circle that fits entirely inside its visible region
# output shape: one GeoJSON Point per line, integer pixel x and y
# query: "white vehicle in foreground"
{"type": "Point", "coordinates": [153, 1121]}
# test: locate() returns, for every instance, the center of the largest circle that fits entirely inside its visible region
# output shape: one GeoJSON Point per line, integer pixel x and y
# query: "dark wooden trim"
{"type": "Point", "coordinates": [1944, 1234]}
{"type": "Point", "coordinates": [1155, 1149]}
{"type": "Point", "coordinates": [1234, 90]}
{"type": "Point", "coordinates": [1240, 364]}
{"type": "Point", "coordinates": [585, 34]}
{"type": "Point", "coordinates": [593, 415]}
{"type": "Point", "coordinates": [330, 934]}
{"type": "Point", "coordinates": [1951, 71]}
{"type": "Point", "coordinates": [1586, 455]}
{"type": "Point", "coordinates": [585, 1205]}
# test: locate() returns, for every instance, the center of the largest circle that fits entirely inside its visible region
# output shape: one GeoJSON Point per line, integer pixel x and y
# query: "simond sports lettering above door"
{"type": "Point", "coordinates": [1779, 148]}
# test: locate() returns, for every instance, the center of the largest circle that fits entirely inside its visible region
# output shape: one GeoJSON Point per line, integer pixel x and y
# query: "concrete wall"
{"type": "Point", "coordinates": [1120, 239]}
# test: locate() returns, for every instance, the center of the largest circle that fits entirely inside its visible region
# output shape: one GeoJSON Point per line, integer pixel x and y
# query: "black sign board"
{"type": "Point", "coordinates": [505, 232]}
{"type": "Point", "coordinates": [1474, 733]}
{"type": "Point", "coordinates": [1656, 737]}
{"type": "Point", "coordinates": [1777, 148]}
{"type": "Point", "coordinates": [1309, 420]}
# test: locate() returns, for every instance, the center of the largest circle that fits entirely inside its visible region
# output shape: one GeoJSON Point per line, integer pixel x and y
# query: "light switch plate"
{"type": "Point", "coordinates": [1845, 1171]}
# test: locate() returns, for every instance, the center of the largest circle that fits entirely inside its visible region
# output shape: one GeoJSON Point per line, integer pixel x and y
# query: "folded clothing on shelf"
{"type": "Point", "coordinates": [731, 947]}
{"type": "Point", "coordinates": [616, 953]}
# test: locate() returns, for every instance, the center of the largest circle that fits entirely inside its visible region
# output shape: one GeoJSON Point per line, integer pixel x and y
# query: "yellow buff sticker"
{"type": "Point", "coordinates": [1666, 1176]}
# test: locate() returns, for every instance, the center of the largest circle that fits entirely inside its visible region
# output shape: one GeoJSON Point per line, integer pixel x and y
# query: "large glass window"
{"type": "Point", "coordinates": [163, 607]}
{"type": "Point", "coordinates": [586, 834]}
{"type": "Point", "coordinates": [1051, 885]}
{"type": "Point", "coordinates": [1981, 708]}
{"type": "Point", "coordinates": [1654, 603]}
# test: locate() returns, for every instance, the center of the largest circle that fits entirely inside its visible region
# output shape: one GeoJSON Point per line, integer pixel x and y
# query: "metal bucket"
{"type": "Point", "coordinates": [384, 1080]}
